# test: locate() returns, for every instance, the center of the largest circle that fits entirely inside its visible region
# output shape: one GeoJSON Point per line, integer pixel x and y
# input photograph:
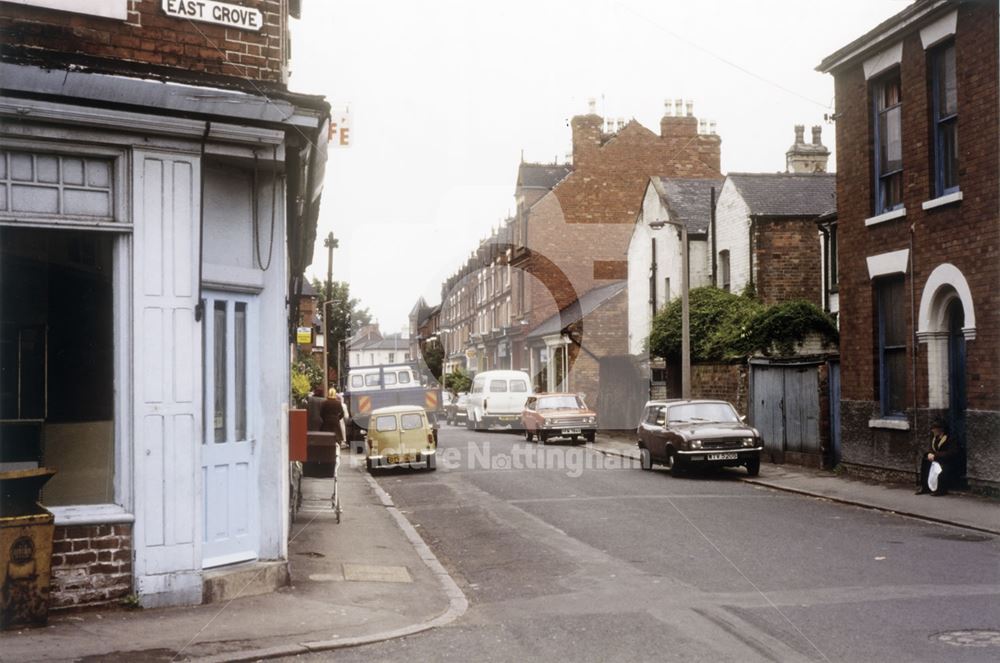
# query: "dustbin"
{"type": "Point", "coordinates": [26, 529]}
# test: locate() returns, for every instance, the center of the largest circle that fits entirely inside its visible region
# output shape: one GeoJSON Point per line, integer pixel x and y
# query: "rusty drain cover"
{"type": "Point", "coordinates": [972, 638]}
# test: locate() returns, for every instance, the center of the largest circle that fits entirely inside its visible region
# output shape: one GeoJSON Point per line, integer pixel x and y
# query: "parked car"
{"type": "Point", "coordinates": [497, 397]}
{"type": "Point", "coordinates": [455, 408]}
{"type": "Point", "coordinates": [400, 435]}
{"type": "Point", "coordinates": [548, 416]}
{"type": "Point", "coordinates": [685, 434]}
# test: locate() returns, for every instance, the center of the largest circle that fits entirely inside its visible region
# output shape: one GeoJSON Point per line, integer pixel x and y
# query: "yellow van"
{"type": "Point", "coordinates": [400, 435]}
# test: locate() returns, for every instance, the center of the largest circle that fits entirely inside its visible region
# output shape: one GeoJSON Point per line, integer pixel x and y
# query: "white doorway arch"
{"type": "Point", "coordinates": [945, 285]}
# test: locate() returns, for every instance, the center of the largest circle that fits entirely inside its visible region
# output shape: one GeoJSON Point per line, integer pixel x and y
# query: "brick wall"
{"type": "Point", "coordinates": [787, 261]}
{"type": "Point", "coordinates": [91, 565]}
{"type": "Point", "coordinates": [966, 235]}
{"type": "Point", "coordinates": [724, 382]}
{"type": "Point", "coordinates": [587, 219]}
{"type": "Point", "coordinates": [178, 47]}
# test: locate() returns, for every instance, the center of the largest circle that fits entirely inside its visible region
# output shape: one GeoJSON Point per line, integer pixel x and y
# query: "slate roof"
{"type": "Point", "coordinates": [589, 302]}
{"type": "Point", "coordinates": [541, 175]}
{"type": "Point", "coordinates": [787, 194]}
{"type": "Point", "coordinates": [689, 201]}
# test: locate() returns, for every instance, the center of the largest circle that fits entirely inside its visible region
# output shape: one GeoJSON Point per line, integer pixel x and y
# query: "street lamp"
{"type": "Point", "coordinates": [685, 308]}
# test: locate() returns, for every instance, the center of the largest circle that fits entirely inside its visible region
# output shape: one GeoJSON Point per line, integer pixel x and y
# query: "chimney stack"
{"type": "Point", "coordinates": [803, 157]}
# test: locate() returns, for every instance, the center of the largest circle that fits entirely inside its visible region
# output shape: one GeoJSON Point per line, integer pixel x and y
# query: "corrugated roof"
{"type": "Point", "coordinates": [541, 175]}
{"type": "Point", "coordinates": [689, 201]}
{"type": "Point", "coordinates": [588, 303]}
{"type": "Point", "coordinates": [787, 194]}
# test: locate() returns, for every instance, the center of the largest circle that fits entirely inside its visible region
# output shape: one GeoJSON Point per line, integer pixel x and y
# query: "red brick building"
{"type": "Point", "coordinates": [574, 238]}
{"type": "Point", "coordinates": [919, 236]}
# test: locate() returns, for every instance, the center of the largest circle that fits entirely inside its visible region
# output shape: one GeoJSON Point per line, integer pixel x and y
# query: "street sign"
{"type": "Point", "coordinates": [220, 13]}
{"type": "Point", "coordinates": [303, 335]}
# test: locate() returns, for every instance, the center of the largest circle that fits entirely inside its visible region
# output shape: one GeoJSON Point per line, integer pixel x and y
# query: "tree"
{"type": "Point", "coordinates": [346, 317]}
{"type": "Point", "coordinates": [434, 357]}
{"type": "Point", "coordinates": [457, 381]}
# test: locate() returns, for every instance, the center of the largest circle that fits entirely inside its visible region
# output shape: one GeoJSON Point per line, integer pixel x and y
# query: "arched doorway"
{"type": "Point", "coordinates": [957, 404]}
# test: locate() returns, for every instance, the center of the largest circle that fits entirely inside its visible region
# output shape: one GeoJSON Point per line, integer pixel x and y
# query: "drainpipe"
{"type": "Point", "coordinates": [711, 223]}
{"type": "Point", "coordinates": [199, 308]}
{"type": "Point", "coordinates": [913, 326]}
{"type": "Point", "coordinates": [750, 244]}
{"type": "Point", "coordinates": [652, 280]}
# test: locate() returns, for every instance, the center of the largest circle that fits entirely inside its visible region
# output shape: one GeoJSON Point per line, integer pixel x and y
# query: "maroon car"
{"type": "Point", "coordinates": [549, 416]}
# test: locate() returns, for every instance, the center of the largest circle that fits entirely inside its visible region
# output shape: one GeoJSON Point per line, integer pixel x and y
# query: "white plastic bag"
{"type": "Point", "coordinates": [932, 476]}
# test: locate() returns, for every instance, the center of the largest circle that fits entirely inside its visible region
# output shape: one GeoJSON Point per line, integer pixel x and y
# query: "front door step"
{"type": "Point", "coordinates": [248, 579]}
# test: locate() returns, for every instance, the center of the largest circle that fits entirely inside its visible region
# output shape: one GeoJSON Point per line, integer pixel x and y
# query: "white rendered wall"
{"type": "Point", "coordinates": [732, 224]}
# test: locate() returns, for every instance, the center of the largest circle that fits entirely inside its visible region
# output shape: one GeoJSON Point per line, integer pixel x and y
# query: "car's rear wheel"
{"type": "Point", "coordinates": [753, 467]}
{"type": "Point", "coordinates": [645, 459]}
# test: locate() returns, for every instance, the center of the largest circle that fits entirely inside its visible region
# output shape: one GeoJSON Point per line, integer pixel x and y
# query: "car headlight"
{"type": "Point", "coordinates": [749, 442]}
{"type": "Point", "coordinates": [695, 444]}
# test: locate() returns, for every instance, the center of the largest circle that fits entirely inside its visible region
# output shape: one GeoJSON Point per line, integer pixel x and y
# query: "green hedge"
{"type": "Point", "coordinates": [725, 326]}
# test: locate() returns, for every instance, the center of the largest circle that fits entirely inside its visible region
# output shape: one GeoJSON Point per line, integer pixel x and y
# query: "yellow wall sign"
{"type": "Point", "coordinates": [304, 335]}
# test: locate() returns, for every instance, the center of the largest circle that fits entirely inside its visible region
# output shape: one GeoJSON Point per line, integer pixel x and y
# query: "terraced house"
{"type": "Point", "coordinates": [919, 234]}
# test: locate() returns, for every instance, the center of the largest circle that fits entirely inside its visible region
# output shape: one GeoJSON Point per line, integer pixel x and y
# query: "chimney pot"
{"type": "Point", "coordinates": [689, 104]}
{"type": "Point", "coordinates": [678, 107]}
{"type": "Point", "coordinates": [711, 127]}
{"type": "Point", "coordinates": [668, 107]}
{"type": "Point", "coordinates": [800, 130]}
{"type": "Point", "coordinates": [817, 135]}
{"type": "Point", "coordinates": [592, 106]}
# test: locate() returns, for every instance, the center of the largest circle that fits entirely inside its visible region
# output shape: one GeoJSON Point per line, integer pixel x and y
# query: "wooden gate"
{"type": "Point", "coordinates": [785, 408]}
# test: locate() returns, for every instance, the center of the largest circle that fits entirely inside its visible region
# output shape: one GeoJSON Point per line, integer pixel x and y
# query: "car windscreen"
{"type": "Point", "coordinates": [721, 412]}
{"type": "Point", "coordinates": [559, 403]}
{"type": "Point", "coordinates": [385, 423]}
{"type": "Point", "coordinates": [411, 421]}
{"type": "Point", "coordinates": [519, 386]}
{"type": "Point", "coordinates": [371, 380]}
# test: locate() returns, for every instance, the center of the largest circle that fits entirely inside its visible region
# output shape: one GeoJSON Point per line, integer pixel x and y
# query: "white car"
{"type": "Point", "coordinates": [497, 397]}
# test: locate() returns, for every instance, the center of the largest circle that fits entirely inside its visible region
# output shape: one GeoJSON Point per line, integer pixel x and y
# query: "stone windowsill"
{"type": "Point", "coordinates": [940, 201]}
{"type": "Point", "coordinates": [886, 216]}
{"type": "Point", "coordinates": [91, 514]}
{"type": "Point", "coordinates": [892, 424]}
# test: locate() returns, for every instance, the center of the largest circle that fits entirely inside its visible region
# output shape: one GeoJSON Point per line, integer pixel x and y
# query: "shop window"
{"type": "Point", "coordinates": [57, 355]}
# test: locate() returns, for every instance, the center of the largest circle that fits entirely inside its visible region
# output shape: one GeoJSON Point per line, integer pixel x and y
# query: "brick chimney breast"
{"type": "Point", "coordinates": [587, 136]}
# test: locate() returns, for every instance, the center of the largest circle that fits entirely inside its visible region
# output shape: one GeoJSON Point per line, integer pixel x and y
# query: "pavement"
{"type": "Point", "coordinates": [956, 508]}
{"type": "Point", "coordinates": [367, 579]}
{"type": "Point", "coordinates": [372, 578]}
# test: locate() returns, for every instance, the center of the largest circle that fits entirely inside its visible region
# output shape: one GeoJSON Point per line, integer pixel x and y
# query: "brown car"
{"type": "Point", "coordinates": [688, 434]}
{"type": "Point", "coordinates": [548, 416]}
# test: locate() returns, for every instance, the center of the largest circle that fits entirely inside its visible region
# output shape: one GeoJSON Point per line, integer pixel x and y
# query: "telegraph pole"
{"type": "Point", "coordinates": [330, 243]}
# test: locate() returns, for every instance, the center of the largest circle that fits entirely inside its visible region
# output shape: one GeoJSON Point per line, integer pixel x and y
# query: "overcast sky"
{"type": "Point", "coordinates": [445, 96]}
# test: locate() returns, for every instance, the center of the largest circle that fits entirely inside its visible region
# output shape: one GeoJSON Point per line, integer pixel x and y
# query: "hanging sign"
{"type": "Point", "coordinates": [220, 13]}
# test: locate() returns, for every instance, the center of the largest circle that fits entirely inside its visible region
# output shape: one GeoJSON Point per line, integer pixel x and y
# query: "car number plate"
{"type": "Point", "coordinates": [722, 456]}
{"type": "Point", "coordinates": [392, 459]}
{"type": "Point", "coordinates": [571, 431]}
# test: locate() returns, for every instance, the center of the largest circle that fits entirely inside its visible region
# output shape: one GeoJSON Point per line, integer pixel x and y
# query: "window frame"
{"type": "Point", "coordinates": [936, 70]}
{"type": "Point", "coordinates": [882, 284]}
{"type": "Point", "coordinates": [120, 509]}
{"type": "Point", "coordinates": [883, 180]}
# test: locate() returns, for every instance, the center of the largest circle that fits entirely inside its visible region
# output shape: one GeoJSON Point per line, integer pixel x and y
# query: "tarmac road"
{"type": "Point", "coordinates": [569, 555]}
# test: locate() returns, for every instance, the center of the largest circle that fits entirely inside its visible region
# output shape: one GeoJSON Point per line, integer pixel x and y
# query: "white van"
{"type": "Point", "coordinates": [497, 397]}
{"type": "Point", "coordinates": [376, 378]}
